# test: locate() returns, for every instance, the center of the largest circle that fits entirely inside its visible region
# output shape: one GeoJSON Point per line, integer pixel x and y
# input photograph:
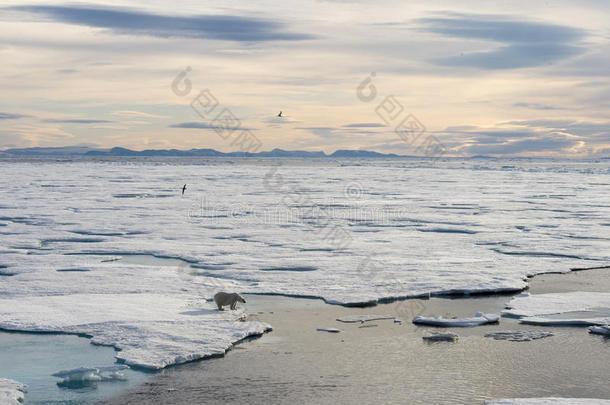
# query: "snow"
{"type": "Point", "coordinates": [11, 392]}
{"type": "Point", "coordinates": [92, 374]}
{"type": "Point", "coordinates": [600, 330]}
{"type": "Point", "coordinates": [526, 305]}
{"type": "Point", "coordinates": [478, 319]}
{"type": "Point", "coordinates": [243, 226]}
{"type": "Point", "coordinates": [519, 335]}
{"type": "Point", "coordinates": [561, 309]}
{"type": "Point", "coordinates": [441, 337]}
{"type": "Point", "coordinates": [548, 401]}
{"type": "Point", "coordinates": [151, 330]}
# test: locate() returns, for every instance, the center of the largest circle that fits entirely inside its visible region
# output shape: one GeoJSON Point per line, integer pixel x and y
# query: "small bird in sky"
{"type": "Point", "coordinates": [183, 189]}
{"type": "Point", "coordinates": [280, 114]}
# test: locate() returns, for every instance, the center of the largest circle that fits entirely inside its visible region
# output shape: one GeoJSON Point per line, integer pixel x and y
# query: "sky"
{"type": "Point", "coordinates": [497, 78]}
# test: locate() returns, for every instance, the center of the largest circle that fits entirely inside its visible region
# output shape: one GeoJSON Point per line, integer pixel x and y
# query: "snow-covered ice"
{"type": "Point", "coordinates": [478, 319]}
{"type": "Point", "coordinates": [11, 392]}
{"type": "Point", "coordinates": [572, 308]}
{"type": "Point", "coordinates": [548, 401]}
{"type": "Point", "coordinates": [67, 231]}
{"type": "Point", "coordinates": [151, 330]}
{"type": "Point", "coordinates": [557, 303]}
{"type": "Point", "coordinates": [519, 335]}
{"type": "Point", "coordinates": [92, 374]}
{"type": "Point", "coordinates": [600, 330]}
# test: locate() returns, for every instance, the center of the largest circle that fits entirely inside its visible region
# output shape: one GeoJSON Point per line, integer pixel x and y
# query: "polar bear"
{"type": "Point", "coordinates": [222, 298]}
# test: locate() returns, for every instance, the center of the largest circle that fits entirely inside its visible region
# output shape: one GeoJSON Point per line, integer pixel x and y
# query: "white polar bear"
{"type": "Point", "coordinates": [222, 298]}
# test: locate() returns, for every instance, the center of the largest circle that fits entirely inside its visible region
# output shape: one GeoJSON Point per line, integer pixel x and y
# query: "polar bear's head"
{"type": "Point", "coordinates": [240, 298]}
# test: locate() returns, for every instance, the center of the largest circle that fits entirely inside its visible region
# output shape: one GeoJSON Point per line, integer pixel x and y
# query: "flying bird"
{"type": "Point", "coordinates": [183, 189]}
{"type": "Point", "coordinates": [280, 114]}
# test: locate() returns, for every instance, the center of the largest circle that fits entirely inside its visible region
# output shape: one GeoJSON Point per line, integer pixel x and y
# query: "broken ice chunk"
{"type": "Point", "coordinates": [441, 337]}
{"type": "Point", "coordinates": [519, 335]}
{"type": "Point", "coordinates": [331, 330]}
{"type": "Point", "coordinates": [600, 330]}
{"type": "Point", "coordinates": [91, 374]}
{"type": "Point", "coordinates": [478, 319]}
{"type": "Point", "coordinates": [363, 318]}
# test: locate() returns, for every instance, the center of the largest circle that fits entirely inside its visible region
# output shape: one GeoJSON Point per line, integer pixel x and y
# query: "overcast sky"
{"type": "Point", "coordinates": [483, 77]}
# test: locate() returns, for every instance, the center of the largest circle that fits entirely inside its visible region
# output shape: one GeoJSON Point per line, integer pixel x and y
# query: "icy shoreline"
{"type": "Point", "coordinates": [11, 392]}
{"type": "Point", "coordinates": [150, 331]}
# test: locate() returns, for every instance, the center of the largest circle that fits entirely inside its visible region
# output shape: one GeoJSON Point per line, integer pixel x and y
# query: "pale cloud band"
{"type": "Point", "coordinates": [532, 82]}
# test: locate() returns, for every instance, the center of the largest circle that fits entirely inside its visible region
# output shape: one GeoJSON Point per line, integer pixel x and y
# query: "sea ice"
{"type": "Point", "coordinates": [557, 303]}
{"type": "Point", "coordinates": [11, 392]}
{"type": "Point", "coordinates": [561, 309]}
{"type": "Point", "coordinates": [436, 336]}
{"type": "Point", "coordinates": [92, 374]}
{"type": "Point", "coordinates": [251, 227]}
{"type": "Point", "coordinates": [363, 318]}
{"type": "Point", "coordinates": [548, 401]}
{"type": "Point", "coordinates": [519, 335]}
{"type": "Point", "coordinates": [331, 330]}
{"type": "Point", "coordinates": [600, 330]}
{"type": "Point", "coordinates": [478, 319]}
{"type": "Point", "coordinates": [151, 330]}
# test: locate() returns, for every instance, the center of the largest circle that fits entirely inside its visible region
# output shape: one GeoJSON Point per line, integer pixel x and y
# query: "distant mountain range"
{"type": "Point", "coordinates": [87, 151]}
{"type": "Point", "coordinates": [84, 151]}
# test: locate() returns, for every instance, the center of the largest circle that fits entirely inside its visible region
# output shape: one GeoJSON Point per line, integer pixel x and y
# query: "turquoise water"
{"type": "Point", "coordinates": [31, 359]}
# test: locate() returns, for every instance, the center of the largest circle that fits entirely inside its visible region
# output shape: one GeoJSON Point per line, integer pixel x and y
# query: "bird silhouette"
{"type": "Point", "coordinates": [183, 189]}
{"type": "Point", "coordinates": [280, 114]}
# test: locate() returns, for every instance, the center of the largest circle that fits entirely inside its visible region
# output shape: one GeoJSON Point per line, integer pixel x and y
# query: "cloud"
{"type": "Point", "coordinates": [77, 121]}
{"type": "Point", "coordinates": [203, 125]}
{"type": "Point", "coordinates": [553, 143]}
{"type": "Point", "coordinates": [536, 106]}
{"type": "Point", "coordinates": [500, 28]}
{"type": "Point", "coordinates": [11, 116]}
{"type": "Point", "coordinates": [130, 113]}
{"type": "Point", "coordinates": [192, 125]}
{"type": "Point", "coordinates": [323, 132]}
{"type": "Point", "coordinates": [277, 121]}
{"type": "Point", "coordinates": [365, 125]}
{"type": "Point", "coordinates": [590, 130]}
{"type": "Point", "coordinates": [134, 22]}
{"type": "Point", "coordinates": [530, 137]}
{"type": "Point", "coordinates": [519, 43]}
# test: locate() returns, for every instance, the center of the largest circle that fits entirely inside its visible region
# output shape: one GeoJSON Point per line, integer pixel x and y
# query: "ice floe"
{"type": "Point", "coordinates": [151, 330]}
{"type": "Point", "coordinates": [330, 330]}
{"type": "Point", "coordinates": [92, 374]}
{"type": "Point", "coordinates": [519, 335]}
{"type": "Point", "coordinates": [561, 309]}
{"type": "Point", "coordinates": [548, 401]}
{"type": "Point", "coordinates": [11, 392]}
{"type": "Point", "coordinates": [363, 318]}
{"type": "Point", "coordinates": [556, 303]}
{"type": "Point", "coordinates": [600, 330]}
{"type": "Point", "coordinates": [479, 319]}
{"type": "Point", "coordinates": [436, 336]}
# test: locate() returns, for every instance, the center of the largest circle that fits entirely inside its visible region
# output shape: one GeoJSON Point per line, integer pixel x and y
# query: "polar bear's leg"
{"type": "Point", "coordinates": [233, 305]}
